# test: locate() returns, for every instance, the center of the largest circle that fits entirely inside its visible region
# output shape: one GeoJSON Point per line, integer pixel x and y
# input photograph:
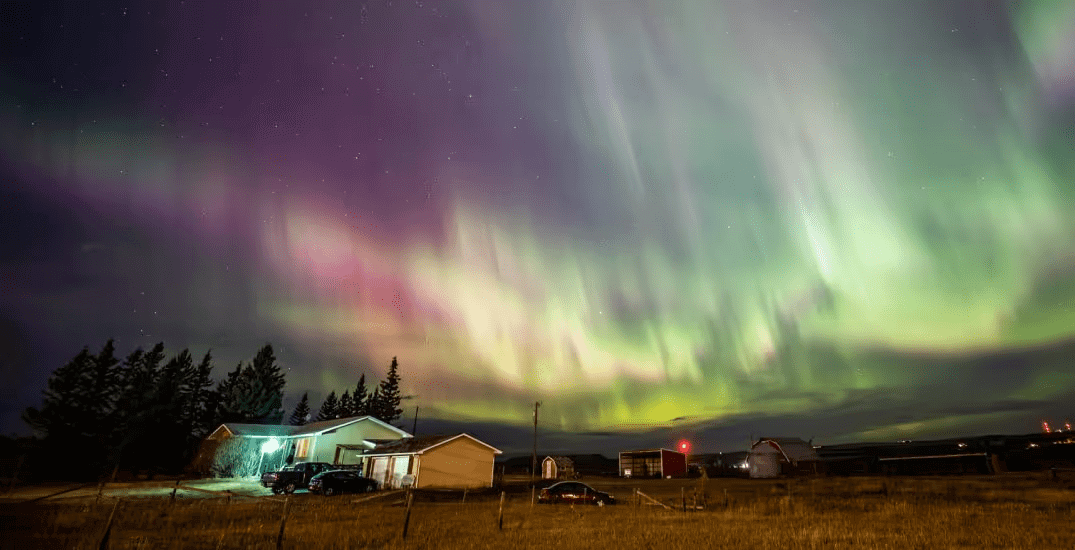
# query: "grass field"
{"type": "Point", "coordinates": [1010, 511]}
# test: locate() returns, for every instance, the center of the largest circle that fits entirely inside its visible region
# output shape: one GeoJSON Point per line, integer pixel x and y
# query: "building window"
{"type": "Point", "coordinates": [302, 448]}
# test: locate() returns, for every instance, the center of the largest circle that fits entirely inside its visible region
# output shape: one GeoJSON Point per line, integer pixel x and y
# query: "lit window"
{"type": "Point", "coordinates": [302, 448]}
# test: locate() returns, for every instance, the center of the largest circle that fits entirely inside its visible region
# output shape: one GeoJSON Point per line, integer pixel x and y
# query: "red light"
{"type": "Point", "coordinates": [684, 446]}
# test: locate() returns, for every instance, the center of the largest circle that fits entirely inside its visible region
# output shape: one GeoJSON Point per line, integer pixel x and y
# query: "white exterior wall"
{"type": "Point", "coordinates": [324, 446]}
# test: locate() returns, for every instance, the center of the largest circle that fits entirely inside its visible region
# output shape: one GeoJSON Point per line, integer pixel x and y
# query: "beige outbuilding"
{"type": "Point", "coordinates": [436, 461]}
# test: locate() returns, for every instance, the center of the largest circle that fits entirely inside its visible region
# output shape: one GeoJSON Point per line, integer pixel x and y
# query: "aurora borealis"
{"type": "Point", "coordinates": [853, 219]}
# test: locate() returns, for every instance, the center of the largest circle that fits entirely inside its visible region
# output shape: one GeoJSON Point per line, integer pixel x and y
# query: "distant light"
{"type": "Point", "coordinates": [270, 446]}
{"type": "Point", "coordinates": [962, 445]}
{"type": "Point", "coordinates": [684, 446]}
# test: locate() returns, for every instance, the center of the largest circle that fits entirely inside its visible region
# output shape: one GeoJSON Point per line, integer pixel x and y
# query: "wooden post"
{"type": "Point", "coordinates": [683, 497]}
{"type": "Point", "coordinates": [533, 495]}
{"type": "Point", "coordinates": [407, 516]}
{"type": "Point", "coordinates": [174, 489]}
{"type": "Point", "coordinates": [103, 544]}
{"type": "Point", "coordinates": [500, 514]}
{"type": "Point", "coordinates": [100, 489]}
{"type": "Point", "coordinates": [283, 523]}
{"type": "Point", "coordinates": [464, 495]}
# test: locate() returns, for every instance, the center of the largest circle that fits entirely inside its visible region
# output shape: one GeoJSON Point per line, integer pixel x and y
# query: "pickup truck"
{"type": "Point", "coordinates": [296, 476]}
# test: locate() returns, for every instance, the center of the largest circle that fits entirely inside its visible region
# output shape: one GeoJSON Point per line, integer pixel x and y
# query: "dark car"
{"type": "Point", "coordinates": [573, 492]}
{"type": "Point", "coordinates": [341, 481]}
{"type": "Point", "coordinates": [293, 477]}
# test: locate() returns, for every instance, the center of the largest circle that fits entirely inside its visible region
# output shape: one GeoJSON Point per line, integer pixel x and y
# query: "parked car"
{"type": "Point", "coordinates": [294, 477]}
{"type": "Point", "coordinates": [574, 492]}
{"type": "Point", "coordinates": [335, 482]}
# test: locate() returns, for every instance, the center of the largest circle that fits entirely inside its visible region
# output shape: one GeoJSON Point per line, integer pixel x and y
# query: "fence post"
{"type": "Point", "coordinates": [500, 514]}
{"type": "Point", "coordinates": [464, 495]}
{"type": "Point", "coordinates": [100, 489]}
{"type": "Point", "coordinates": [103, 544]}
{"type": "Point", "coordinates": [533, 495]}
{"type": "Point", "coordinates": [174, 489]}
{"type": "Point", "coordinates": [407, 516]}
{"type": "Point", "coordinates": [683, 497]}
{"type": "Point", "coordinates": [283, 523]}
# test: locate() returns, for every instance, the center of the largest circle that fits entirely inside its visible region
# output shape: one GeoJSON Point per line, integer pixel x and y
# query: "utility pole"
{"type": "Point", "coordinates": [533, 461]}
{"type": "Point", "coordinates": [414, 428]}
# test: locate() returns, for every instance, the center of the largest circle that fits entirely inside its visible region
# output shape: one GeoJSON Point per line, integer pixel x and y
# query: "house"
{"type": "Point", "coordinates": [434, 461]}
{"type": "Point", "coordinates": [662, 463]}
{"type": "Point", "coordinates": [238, 450]}
{"type": "Point", "coordinates": [776, 456]}
{"type": "Point", "coordinates": [329, 440]}
{"type": "Point", "coordinates": [557, 467]}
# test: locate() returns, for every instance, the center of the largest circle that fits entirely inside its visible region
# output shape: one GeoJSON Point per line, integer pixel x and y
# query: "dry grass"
{"type": "Point", "coordinates": [988, 512]}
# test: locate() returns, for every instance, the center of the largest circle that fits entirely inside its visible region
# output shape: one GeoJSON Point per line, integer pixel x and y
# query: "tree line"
{"type": "Point", "coordinates": [149, 412]}
{"type": "Point", "coordinates": [383, 403]}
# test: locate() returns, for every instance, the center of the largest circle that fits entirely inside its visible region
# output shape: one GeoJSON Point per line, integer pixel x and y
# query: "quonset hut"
{"type": "Point", "coordinates": [779, 456]}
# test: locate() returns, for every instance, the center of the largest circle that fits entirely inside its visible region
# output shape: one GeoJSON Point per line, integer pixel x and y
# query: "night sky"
{"type": "Point", "coordinates": [840, 220]}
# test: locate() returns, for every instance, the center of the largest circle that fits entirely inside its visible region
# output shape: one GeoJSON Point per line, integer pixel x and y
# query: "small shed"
{"type": "Point", "coordinates": [776, 456]}
{"type": "Point", "coordinates": [557, 467]}
{"type": "Point", "coordinates": [433, 461]}
{"type": "Point", "coordinates": [659, 463]}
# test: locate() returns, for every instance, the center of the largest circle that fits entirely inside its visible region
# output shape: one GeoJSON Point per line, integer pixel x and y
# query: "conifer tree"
{"type": "Point", "coordinates": [267, 388]}
{"type": "Point", "coordinates": [390, 398]}
{"type": "Point", "coordinates": [197, 384]}
{"type": "Point", "coordinates": [346, 408]}
{"type": "Point", "coordinates": [373, 404]}
{"type": "Point", "coordinates": [329, 408]}
{"type": "Point", "coordinates": [359, 396]}
{"type": "Point", "coordinates": [302, 411]}
{"type": "Point", "coordinates": [65, 406]}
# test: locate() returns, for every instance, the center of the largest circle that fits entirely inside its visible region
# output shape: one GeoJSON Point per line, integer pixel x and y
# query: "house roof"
{"type": "Point", "coordinates": [256, 430]}
{"type": "Point", "coordinates": [314, 428]}
{"type": "Point", "coordinates": [419, 445]}
{"type": "Point", "coordinates": [650, 451]}
{"type": "Point", "coordinates": [318, 428]}
{"type": "Point", "coordinates": [792, 448]}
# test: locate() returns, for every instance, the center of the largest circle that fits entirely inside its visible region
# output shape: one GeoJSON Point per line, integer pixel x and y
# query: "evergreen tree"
{"type": "Point", "coordinates": [65, 406]}
{"type": "Point", "coordinates": [373, 404]}
{"type": "Point", "coordinates": [359, 396]}
{"type": "Point", "coordinates": [76, 409]}
{"type": "Point", "coordinates": [169, 430]}
{"type": "Point", "coordinates": [138, 409]}
{"type": "Point", "coordinates": [390, 398]}
{"type": "Point", "coordinates": [197, 384]}
{"type": "Point", "coordinates": [329, 408]}
{"type": "Point", "coordinates": [254, 393]}
{"type": "Point", "coordinates": [105, 388]}
{"type": "Point", "coordinates": [228, 394]}
{"type": "Point", "coordinates": [302, 411]}
{"type": "Point", "coordinates": [266, 388]}
{"type": "Point", "coordinates": [346, 408]}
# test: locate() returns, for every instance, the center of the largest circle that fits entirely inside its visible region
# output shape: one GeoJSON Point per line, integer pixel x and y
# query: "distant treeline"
{"type": "Point", "coordinates": [148, 413]}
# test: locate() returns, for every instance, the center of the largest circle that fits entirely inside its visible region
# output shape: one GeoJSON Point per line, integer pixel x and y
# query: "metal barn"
{"type": "Point", "coordinates": [660, 463]}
